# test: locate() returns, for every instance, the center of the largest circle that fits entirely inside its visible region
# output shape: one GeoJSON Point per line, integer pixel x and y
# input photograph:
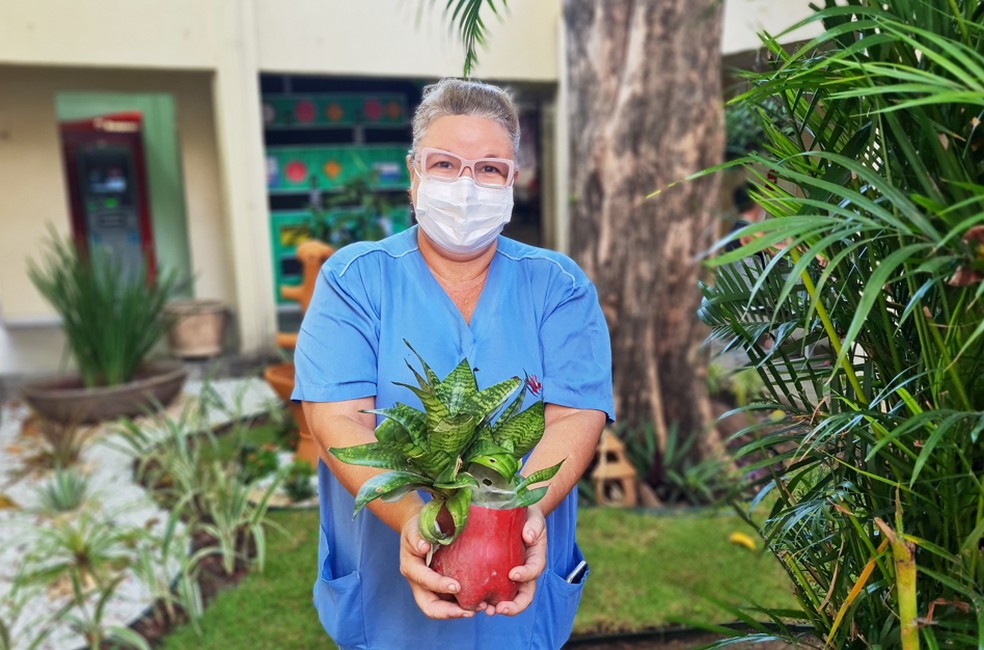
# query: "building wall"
{"type": "Point", "coordinates": [34, 195]}
{"type": "Point", "coordinates": [209, 54]}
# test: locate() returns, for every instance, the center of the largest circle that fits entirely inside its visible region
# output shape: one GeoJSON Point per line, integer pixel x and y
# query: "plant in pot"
{"type": "Point", "coordinates": [468, 459]}
{"type": "Point", "coordinates": [113, 319]}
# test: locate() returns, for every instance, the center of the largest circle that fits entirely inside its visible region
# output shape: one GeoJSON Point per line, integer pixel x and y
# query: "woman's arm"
{"type": "Point", "coordinates": [570, 435]}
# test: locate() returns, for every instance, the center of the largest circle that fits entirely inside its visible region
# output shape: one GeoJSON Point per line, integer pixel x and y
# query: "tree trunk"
{"type": "Point", "coordinates": [646, 110]}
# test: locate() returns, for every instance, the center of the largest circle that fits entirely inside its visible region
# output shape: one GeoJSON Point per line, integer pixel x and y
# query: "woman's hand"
{"type": "Point", "coordinates": [433, 592]}
{"type": "Point", "coordinates": [535, 538]}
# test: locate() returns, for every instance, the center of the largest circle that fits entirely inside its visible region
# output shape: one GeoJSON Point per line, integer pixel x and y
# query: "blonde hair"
{"type": "Point", "coordinates": [452, 96]}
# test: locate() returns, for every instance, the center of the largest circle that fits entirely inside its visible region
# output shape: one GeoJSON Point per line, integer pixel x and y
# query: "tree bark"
{"type": "Point", "coordinates": [646, 110]}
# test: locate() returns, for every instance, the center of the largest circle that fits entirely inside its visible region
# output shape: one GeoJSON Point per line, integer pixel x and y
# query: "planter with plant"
{"type": "Point", "coordinates": [112, 321]}
{"type": "Point", "coordinates": [873, 463]}
{"type": "Point", "coordinates": [468, 460]}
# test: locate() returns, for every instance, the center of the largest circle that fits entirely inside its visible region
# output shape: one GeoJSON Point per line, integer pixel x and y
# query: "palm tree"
{"type": "Point", "coordinates": [872, 467]}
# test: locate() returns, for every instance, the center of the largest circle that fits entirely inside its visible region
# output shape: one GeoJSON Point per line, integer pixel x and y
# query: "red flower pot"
{"type": "Point", "coordinates": [481, 557]}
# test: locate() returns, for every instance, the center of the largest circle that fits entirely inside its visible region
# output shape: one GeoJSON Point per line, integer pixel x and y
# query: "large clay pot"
{"type": "Point", "coordinates": [198, 328]}
{"type": "Point", "coordinates": [483, 554]}
{"type": "Point", "coordinates": [67, 401]}
{"type": "Point", "coordinates": [281, 379]}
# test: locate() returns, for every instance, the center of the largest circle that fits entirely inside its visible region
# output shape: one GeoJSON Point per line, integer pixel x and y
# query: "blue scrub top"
{"type": "Point", "coordinates": [538, 314]}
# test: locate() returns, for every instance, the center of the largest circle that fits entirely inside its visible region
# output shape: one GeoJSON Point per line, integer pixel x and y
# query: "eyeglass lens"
{"type": "Point", "coordinates": [446, 166]}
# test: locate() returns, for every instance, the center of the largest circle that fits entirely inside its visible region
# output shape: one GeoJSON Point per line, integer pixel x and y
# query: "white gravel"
{"type": "Point", "coordinates": [116, 500]}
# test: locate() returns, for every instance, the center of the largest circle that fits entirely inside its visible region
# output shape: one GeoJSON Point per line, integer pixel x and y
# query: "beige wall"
{"type": "Point", "coordinates": [403, 38]}
{"type": "Point", "coordinates": [34, 194]}
{"type": "Point", "coordinates": [743, 19]}
{"type": "Point", "coordinates": [209, 53]}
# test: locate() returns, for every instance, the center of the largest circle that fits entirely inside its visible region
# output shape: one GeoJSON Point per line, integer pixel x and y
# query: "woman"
{"type": "Point", "coordinates": [453, 288]}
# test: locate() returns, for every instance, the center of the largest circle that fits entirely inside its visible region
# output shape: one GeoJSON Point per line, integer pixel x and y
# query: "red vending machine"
{"type": "Point", "coordinates": [107, 188]}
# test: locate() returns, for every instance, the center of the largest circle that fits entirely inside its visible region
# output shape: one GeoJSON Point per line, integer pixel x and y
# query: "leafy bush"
{"type": "Point", "coordinates": [297, 484]}
{"type": "Point", "coordinates": [877, 205]}
{"type": "Point", "coordinates": [113, 317]}
{"type": "Point", "coordinates": [66, 491]}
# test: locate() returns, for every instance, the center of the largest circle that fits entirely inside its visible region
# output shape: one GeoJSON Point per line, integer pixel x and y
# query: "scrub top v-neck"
{"type": "Point", "coordinates": [537, 315]}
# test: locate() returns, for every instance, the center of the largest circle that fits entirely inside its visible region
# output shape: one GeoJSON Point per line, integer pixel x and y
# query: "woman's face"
{"type": "Point", "coordinates": [469, 136]}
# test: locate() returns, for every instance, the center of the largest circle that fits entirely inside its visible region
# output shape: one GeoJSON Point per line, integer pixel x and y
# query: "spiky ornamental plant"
{"type": "Point", "coordinates": [455, 449]}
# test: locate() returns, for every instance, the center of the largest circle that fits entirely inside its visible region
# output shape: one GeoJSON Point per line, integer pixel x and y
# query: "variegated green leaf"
{"type": "Point", "coordinates": [384, 455]}
{"type": "Point", "coordinates": [462, 480]}
{"type": "Point", "coordinates": [514, 406]}
{"type": "Point", "coordinates": [520, 433]}
{"type": "Point", "coordinates": [485, 403]}
{"type": "Point", "coordinates": [434, 408]}
{"type": "Point", "coordinates": [413, 421]}
{"type": "Point", "coordinates": [391, 431]}
{"type": "Point", "coordinates": [386, 485]}
{"type": "Point", "coordinates": [458, 505]}
{"type": "Point", "coordinates": [504, 464]}
{"type": "Point", "coordinates": [453, 434]}
{"type": "Point", "coordinates": [427, 523]}
{"type": "Point", "coordinates": [433, 463]}
{"type": "Point", "coordinates": [457, 387]}
{"type": "Point", "coordinates": [450, 472]}
{"type": "Point", "coordinates": [431, 377]}
{"type": "Point", "coordinates": [526, 497]}
{"type": "Point", "coordinates": [539, 476]}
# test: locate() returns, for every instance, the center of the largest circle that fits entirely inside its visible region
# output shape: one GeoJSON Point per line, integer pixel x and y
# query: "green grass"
{"type": "Point", "coordinates": [647, 571]}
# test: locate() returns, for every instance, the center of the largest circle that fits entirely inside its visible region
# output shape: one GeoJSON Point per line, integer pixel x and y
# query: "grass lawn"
{"type": "Point", "coordinates": [647, 571]}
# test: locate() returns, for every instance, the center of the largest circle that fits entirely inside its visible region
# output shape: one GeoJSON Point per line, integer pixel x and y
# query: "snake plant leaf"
{"type": "Point", "coordinates": [488, 401]}
{"type": "Point", "coordinates": [384, 455]}
{"type": "Point", "coordinates": [388, 485]}
{"type": "Point", "coordinates": [453, 434]}
{"type": "Point", "coordinates": [526, 497]}
{"type": "Point", "coordinates": [433, 463]}
{"type": "Point", "coordinates": [434, 408]}
{"type": "Point", "coordinates": [391, 431]}
{"type": "Point", "coordinates": [462, 480]}
{"type": "Point", "coordinates": [539, 476]}
{"type": "Point", "coordinates": [513, 407]}
{"type": "Point", "coordinates": [495, 457]}
{"type": "Point", "coordinates": [458, 505]}
{"type": "Point", "coordinates": [520, 433]}
{"type": "Point", "coordinates": [504, 464]}
{"type": "Point", "coordinates": [432, 379]}
{"type": "Point", "coordinates": [413, 421]}
{"type": "Point", "coordinates": [457, 387]}
{"type": "Point", "coordinates": [427, 522]}
{"type": "Point", "coordinates": [450, 472]}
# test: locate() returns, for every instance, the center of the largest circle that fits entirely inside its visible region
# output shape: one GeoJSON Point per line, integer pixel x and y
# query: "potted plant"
{"type": "Point", "coordinates": [468, 460]}
{"type": "Point", "coordinates": [113, 320]}
{"type": "Point", "coordinates": [197, 327]}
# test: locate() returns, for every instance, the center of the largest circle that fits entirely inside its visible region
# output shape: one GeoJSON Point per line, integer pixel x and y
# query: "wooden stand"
{"type": "Point", "coordinates": [614, 477]}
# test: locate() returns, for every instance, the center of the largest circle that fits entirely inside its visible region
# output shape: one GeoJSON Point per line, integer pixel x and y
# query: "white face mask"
{"type": "Point", "coordinates": [460, 216]}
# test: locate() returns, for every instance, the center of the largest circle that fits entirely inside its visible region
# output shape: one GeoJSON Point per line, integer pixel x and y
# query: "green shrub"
{"type": "Point", "coordinates": [877, 207]}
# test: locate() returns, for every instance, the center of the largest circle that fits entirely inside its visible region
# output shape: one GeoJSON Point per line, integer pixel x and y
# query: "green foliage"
{"type": "Point", "coordinates": [65, 492]}
{"type": "Point", "coordinates": [257, 462]}
{"type": "Point", "coordinates": [62, 442]}
{"type": "Point", "coordinates": [348, 214]}
{"type": "Point", "coordinates": [112, 319]}
{"type": "Point", "coordinates": [877, 207]}
{"type": "Point", "coordinates": [453, 449]}
{"type": "Point", "coordinates": [297, 483]}
{"type": "Point", "coordinates": [468, 16]}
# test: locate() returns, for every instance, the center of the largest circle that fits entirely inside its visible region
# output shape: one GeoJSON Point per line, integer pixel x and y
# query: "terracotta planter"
{"type": "Point", "coordinates": [481, 557]}
{"type": "Point", "coordinates": [67, 401]}
{"type": "Point", "coordinates": [281, 380]}
{"type": "Point", "coordinates": [198, 330]}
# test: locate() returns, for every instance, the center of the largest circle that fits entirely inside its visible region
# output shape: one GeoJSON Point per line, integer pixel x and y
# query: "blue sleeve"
{"type": "Point", "coordinates": [338, 343]}
{"type": "Point", "coordinates": [577, 352]}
